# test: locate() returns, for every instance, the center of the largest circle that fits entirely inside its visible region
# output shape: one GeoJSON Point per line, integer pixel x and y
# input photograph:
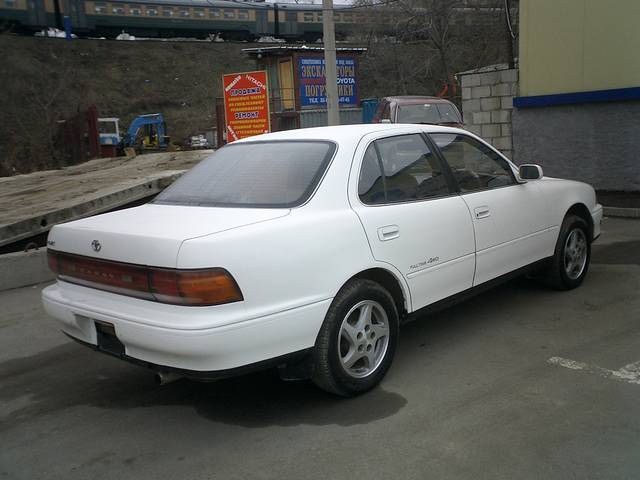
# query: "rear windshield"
{"type": "Point", "coordinates": [274, 174]}
{"type": "Point", "coordinates": [428, 113]}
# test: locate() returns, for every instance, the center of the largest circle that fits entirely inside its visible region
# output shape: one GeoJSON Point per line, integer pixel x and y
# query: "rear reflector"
{"type": "Point", "coordinates": [210, 286]}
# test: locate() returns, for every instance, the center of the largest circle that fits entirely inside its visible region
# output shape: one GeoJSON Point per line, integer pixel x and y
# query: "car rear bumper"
{"type": "Point", "coordinates": [596, 216]}
{"type": "Point", "coordinates": [210, 350]}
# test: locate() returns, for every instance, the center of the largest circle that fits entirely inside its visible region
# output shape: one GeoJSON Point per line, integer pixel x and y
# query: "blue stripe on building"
{"type": "Point", "coordinates": [612, 95]}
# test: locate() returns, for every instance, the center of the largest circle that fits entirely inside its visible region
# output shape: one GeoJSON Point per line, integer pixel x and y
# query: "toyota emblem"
{"type": "Point", "coordinates": [96, 246]}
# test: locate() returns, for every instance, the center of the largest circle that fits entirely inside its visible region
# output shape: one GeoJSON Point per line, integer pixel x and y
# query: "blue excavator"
{"type": "Point", "coordinates": [147, 132]}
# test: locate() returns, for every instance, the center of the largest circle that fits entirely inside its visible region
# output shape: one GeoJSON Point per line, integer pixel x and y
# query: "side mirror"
{"type": "Point", "coordinates": [385, 120]}
{"type": "Point", "coordinates": [529, 171]}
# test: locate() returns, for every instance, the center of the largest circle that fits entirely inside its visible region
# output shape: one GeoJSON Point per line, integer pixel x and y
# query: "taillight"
{"type": "Point", "coordinates": [52, 260]}
{"type": "Point", "coordinates": [211, 286]}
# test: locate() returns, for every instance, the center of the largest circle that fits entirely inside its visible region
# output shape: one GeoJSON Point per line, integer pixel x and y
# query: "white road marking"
{"type": "Point", "coordinates": [629, 373]}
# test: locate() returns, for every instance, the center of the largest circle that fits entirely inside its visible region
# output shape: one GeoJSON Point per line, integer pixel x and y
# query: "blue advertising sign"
{"type": "Point", "coordinates": [312, 83]}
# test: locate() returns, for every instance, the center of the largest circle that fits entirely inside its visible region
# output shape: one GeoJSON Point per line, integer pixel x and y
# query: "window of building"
{"type": "Point", "coordinates": [474, 165]}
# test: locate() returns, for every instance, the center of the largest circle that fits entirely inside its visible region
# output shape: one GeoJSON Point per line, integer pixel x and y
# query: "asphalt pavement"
{"type": "Point", "coordinates": [521, 382]}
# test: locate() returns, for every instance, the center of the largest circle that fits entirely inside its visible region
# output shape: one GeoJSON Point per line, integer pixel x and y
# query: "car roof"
{"type": "Point", "coordinates": [407, 99]}
{"type": "Point", "coordinates": [346, 133]}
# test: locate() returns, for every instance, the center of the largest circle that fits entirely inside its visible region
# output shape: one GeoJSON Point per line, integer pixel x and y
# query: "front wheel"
{"type": "Point", "coordinates": [570, 262]}
{"type": "Point", "coordinates": [357, 341]}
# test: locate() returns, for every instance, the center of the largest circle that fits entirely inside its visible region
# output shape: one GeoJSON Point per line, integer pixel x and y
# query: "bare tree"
{"type": "Point", "coordinates": [423, 43]}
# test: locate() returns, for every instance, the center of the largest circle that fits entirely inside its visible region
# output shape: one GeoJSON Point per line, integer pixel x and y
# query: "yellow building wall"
{"type": "Point", "coordinates": [578, 45]}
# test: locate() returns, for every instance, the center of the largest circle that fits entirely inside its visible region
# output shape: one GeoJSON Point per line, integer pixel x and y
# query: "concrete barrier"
{"type": "Point", "coordinates": [24, 268]}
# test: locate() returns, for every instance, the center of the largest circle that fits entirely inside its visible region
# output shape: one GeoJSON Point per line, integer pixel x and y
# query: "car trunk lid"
{"type": "Point", "coordinates": [150, 234]}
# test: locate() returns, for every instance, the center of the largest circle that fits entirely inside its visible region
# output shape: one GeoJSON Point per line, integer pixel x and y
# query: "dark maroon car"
{"type": "Point", "coordinates": [418, 109]}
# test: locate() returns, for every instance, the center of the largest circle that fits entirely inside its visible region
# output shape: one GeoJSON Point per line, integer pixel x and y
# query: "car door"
{"type": "Point", "coordinates": [413, 218]}
{"type": "Point", "coordinates": [509, 217]}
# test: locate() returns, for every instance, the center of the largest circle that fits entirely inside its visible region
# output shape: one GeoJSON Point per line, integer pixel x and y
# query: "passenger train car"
{"type": "Point", "coordinates": [233, 20]}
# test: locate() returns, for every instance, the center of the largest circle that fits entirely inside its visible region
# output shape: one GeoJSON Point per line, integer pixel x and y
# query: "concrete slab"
{"type": "Point", "coordinates": [30, 204]}
{"type": "Point", "coordinates": [24, 268]}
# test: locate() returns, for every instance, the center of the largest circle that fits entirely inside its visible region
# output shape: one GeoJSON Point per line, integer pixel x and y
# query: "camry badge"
{"type": "Point", "coordinates": [96, 246]}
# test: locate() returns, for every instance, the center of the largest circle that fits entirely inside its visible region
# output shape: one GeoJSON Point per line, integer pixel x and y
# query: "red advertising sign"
{"type": "Point", "coordinates": [246, 104]}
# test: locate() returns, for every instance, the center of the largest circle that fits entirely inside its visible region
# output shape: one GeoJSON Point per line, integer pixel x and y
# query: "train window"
{"type": "Point", "coordinates": [198, 12]}
{"type": "Point", "coordinates": [152, 11]}
{"type": "Point", "coordinates": [167, 12]}
{"type": "Point", "coordinates": [10, 3]}
{"type": "Point", "coordinates": [337, 17]}
{"type": "Point", "coordinates": [243, 14]}
{"type": "Point", "coordinates": [347, 17]}
{"type": "Point", "coordinates": [308, 16]}
{"type": "Point", "coordinates": [229, 13]}
{"type": "Point", "coordinates": [319, 17]}
{"type": "Point", "coordinates": [134, 10]}
{"type": "Point", "coordinates": [99, 7]}
{"type": "Point", "coordinates": [214, 12]}
{"type": "Point", "coordinates": [118, 10]}
{"type": "Point", "coordinates": [290, 16]}
{"type": "Point", "coordinates": [184, 12]}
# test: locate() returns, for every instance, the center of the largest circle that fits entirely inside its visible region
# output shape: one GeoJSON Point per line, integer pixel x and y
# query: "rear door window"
{"type": "Point", "coordinates": [402, 169]}
{"type": "Point", "coordinates": [371, 183]}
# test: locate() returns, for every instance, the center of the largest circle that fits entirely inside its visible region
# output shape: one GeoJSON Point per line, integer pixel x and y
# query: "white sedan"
{"type": "Point", "coordinates": [306, 250]}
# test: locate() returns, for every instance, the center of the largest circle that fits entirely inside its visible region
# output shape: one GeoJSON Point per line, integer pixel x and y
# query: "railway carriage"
{"type": "Point", "coordinates": [232, 20]}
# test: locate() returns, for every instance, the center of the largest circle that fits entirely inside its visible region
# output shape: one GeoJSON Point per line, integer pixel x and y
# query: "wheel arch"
{"type": "Point", "coordinates": [581, 210]}
{"type": "Point", "coordinates": [391, 283]}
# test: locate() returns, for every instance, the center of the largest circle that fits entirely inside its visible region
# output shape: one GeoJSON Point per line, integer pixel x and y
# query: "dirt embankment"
{"type": "Point", "coordinates": [45, 80]}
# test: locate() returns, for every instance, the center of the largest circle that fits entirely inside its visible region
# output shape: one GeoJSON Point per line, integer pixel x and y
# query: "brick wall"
{"type": "Point", "coordinates": [487, 102]}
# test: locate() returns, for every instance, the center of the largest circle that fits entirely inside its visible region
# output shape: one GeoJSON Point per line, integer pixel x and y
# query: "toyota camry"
{"type": "Point", "coordinates": [307, 249]}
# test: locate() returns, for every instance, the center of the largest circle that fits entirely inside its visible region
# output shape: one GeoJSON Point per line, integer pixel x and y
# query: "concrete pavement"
{"type": "Point", "coordinates": [472, 394]}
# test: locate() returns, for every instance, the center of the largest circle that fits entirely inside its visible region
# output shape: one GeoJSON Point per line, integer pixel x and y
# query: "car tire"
{"type": "Point", "coordinates": [357, 341]}
{"type": "Point", "coordinates": [572, 255]}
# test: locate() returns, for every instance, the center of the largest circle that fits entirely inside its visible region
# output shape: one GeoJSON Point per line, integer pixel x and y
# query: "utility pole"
{"type": "Point", "coordinates": [331, 77]}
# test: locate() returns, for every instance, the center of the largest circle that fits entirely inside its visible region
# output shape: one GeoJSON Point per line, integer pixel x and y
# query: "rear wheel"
{"type": "Point", "coordinates": [357, 341]}
{"type": "Point", "coordinates": [572, 255]}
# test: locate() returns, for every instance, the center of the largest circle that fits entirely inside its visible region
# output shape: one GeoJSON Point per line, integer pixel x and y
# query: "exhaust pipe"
{"type": "Point", "coordinates": [162, 378]}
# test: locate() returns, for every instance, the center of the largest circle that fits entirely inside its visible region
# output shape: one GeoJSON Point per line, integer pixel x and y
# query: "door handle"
{"type": "Point", "coordinates": [482, 212]}
{"type": "Point", "coordinates": [388, 232]}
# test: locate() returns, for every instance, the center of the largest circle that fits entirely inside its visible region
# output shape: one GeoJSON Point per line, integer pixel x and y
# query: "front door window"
{"type": "Point", "coordinates": [474, 165]}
